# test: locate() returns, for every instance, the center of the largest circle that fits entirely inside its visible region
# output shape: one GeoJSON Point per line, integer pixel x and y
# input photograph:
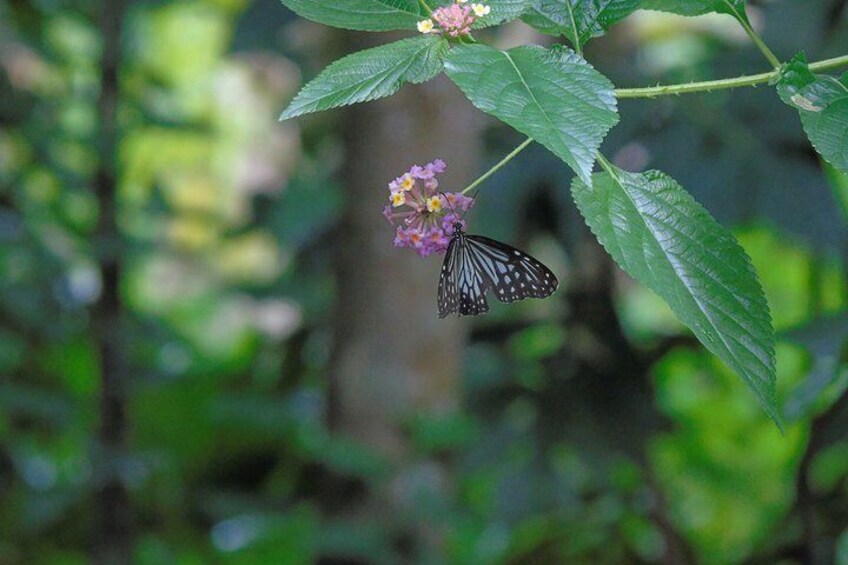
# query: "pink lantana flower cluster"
{"type": "Point", "coordinates": [425, 215]}
{"type": "Point", "coordinates": [455, 19]}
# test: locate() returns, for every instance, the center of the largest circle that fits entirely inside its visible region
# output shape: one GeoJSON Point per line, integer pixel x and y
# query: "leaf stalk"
{"type": "Point", "coordinates": [755, 37]}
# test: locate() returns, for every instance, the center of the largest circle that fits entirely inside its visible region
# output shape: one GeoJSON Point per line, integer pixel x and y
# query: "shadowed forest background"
{"type": "Point", "coordinates": [210, 352]}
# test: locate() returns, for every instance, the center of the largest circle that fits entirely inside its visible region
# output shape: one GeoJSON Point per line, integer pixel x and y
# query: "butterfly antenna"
{"type": "Point", "coordinates": [448, 201]}
{"type": "Point", "coordinates": [473, 199]}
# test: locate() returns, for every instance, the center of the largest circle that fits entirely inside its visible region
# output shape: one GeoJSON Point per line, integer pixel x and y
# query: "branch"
{"type": "Point", "coordinates": [721, 84]}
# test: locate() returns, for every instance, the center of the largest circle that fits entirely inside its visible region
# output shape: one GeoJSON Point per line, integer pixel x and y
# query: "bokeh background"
{"type": "Point", "coordinates": [210, 352]}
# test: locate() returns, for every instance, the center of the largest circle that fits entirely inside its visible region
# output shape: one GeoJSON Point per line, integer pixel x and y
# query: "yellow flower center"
{"type": "Point", "coordinates": [481, 10]}
{"type": "Point", "coordinates": [425, 26]}
{"type": "Point", "coordinates": [407, 183]}
{"type": "Point", "coordinates": [434, 204]}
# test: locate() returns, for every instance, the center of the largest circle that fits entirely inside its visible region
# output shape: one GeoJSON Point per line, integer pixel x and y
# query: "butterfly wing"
{"type": "Point", "coordinates": [511, 273]}
{"type": "Point", "coordinates": [462, 286]}
{"type": "Point", "coordinates": [448, 292]}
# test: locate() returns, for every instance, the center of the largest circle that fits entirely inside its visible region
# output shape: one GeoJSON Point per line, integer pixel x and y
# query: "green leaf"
{"type": "Point", "coordinates": [578, 20]}
{"type": "Point", "coordinates": [828, 130]}
{"type": "Point", "coordinates": [662, 237]}
{"type": "Point", "coordinates": [363, 15]}
{"type": "Point", "coordinates": [371, 74]}
{"type": "Point", "coordinates": [822, 102]}
{"type": "Point", "coordinates": [387, 15]}
{"type": "Point", "coordinates": [552, 95]}
{"type": "Point", "coordinates": [735, 8]}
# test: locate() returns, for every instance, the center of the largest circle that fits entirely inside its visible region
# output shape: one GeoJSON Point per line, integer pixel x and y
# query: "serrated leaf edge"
{"type": "Point", "coordinates": [288, 113]}
{"type": "Point", "coordinates": [652, 176]}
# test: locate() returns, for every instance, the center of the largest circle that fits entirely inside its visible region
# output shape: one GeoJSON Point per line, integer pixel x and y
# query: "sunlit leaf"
{"type": "Point", "coordinates": [662, 237]}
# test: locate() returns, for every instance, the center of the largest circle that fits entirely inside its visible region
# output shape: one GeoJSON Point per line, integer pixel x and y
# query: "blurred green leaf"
{"type": "Point", "coordinates": [644, 537]}
{"type": "Point", "coordinates": [552, 95]}
{"type": "Point", "coordinates": [537, 342]}
{"type": "Point", "coordinates": [829, 468]}
{"type": "Point", "coordinates": [289, 539]}
{"type": "Point", "coordinates": [658, 234]}
{"type": "Point", "coordinates": [577, 20]}
{"type": "Point", "coordinates": [728, 476]}
{"type": "Point", "coordinates": [76, 363]}
{"type": "Point", "coordinates": [433, 433]}
{"type": "Point", "coordinates": [371, 74]}
{"type": "Point", "coordinates": [842, 549]}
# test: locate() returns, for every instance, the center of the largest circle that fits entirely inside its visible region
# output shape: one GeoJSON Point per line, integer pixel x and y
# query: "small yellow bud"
{"type": "Point", "coordinates": [425, 26]}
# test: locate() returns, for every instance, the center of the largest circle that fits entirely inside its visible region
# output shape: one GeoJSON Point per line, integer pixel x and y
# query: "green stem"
{"type": "Point", "coordinates": [498, 166]}
{"type": "Point", "coordinates": [577, 46]}
{"type": "Point", "coordinates": [721, 84]}
{"type": "Point", "coordinates": [425, 6]}
{"type": "Point", "coordinates": [755, 37]}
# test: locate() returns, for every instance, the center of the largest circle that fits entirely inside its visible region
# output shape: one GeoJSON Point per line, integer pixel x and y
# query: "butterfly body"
{"type": "Point", "coordinates": [475, 264]}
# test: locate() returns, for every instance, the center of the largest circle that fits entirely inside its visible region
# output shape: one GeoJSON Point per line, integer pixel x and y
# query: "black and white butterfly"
{"type": "Point", "coordinates": [475, 264]}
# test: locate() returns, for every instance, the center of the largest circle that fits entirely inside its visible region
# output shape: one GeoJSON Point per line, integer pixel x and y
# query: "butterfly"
{"type": "Point", "coordinates": [475, 264]}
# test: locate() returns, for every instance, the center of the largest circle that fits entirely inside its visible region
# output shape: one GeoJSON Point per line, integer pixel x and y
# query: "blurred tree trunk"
{"type": "Point", "coordinates": [112, 536]}
{"type": "Point", "coordinates": [393, 358]}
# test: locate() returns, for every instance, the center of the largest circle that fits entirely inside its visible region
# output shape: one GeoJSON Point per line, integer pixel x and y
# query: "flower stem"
{"type": "Point", "coordinates": [425, 6]}
{"type": "Point", "coordinates": [721, 84]}
{"type": "Point", "coordinates": [498, 166]}
{"type": "Point", "coordinates": [755, 37]}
